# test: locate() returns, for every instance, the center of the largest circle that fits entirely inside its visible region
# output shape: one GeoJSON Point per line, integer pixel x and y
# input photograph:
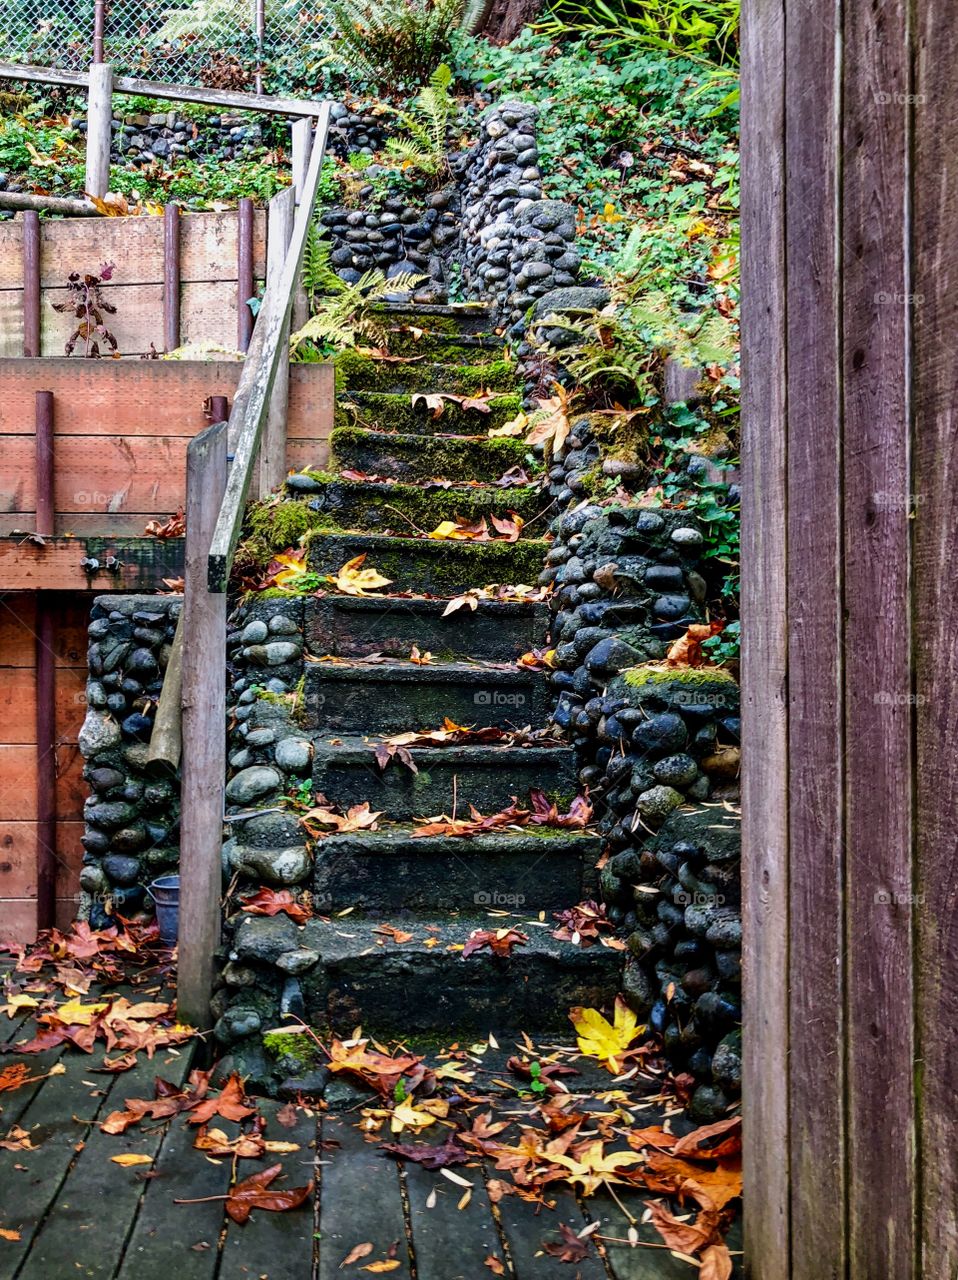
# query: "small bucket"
{"type": "Point", "coordinates": [165, 893]}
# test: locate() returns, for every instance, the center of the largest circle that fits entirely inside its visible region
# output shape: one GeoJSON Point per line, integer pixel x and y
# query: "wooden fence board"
{"type": "Point", "coordinates": [935, 485]}
{"type": "Point", "coordinates": [144, 563]}
{"type": "Point", "coordinates": [877, 648]}
{"type": "Point", "coordinates": [208, 248]}
{"type": "Point", "coordinates": [18, 783]}
{"type": "Point", "coordinates": [765, 851]}
{"type": "Point", "coordinates": [816, 746]}
{"type": "Point", "coordinates": [18, 920]}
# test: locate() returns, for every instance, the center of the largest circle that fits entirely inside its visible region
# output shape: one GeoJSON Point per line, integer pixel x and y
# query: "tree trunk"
{"type": "Point", "coordinates": [504, 19]}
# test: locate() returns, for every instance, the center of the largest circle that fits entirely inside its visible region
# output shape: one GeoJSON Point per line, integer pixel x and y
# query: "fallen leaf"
{"type": "Point", "coordinates": [131, 1158]}
{"type": "Point", "coordinates": [356, 1253]}
{"type": "Point", "coordinates": [570, 1249]}
{"type": "Point", "coordinates": [609, 1042]}
{"type": "Point", "coordinates": [353, 580]}
{"type": "Point", "coordinates": [254, 1193]}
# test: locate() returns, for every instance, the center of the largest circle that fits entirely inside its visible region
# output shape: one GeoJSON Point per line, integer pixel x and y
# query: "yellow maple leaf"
{"type": "Point", "coordinates": [17, 1002]}
{"type": "Point", "coordinates": [77, 1014]}
{"type": "Point", "coordinates": [550, 424]}
{"type": "Point", "coordinates": [609, 1042]}
{"type": "Point", "coordinates": [130, 1158]}
{"type": "Point", "coordinates": [353, 580]}
{"type": "Point", "coordinates": [514, 427]}
{"type": "Point", "coordinates": [293, 568]}
{"type": "Point", "coordinates": [406, 1116]}
{"type": "Point", "coordinates": [591, 1168]}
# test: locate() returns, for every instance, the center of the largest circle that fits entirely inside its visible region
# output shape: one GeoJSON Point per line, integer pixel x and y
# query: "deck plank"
{"type": "Point", "coordinates": [276, 1246]}
{"type": "Point", "coordinates": [179, 1240]}
{"type": "Point", "coordinates": [450, 1243]}
{"type": "Point", "coordinates": [525, 1229]}
{"type": "Point", "coordinates": [359, 1201]}
{"type": "Point", "coordinates": [77, 1236]}
{"type": "Point", "coordinates": [59, 1114]}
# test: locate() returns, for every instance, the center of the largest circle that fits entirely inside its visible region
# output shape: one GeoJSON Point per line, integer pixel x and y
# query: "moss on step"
{"type": "Point", "coordinates": [364, 373]}
{"type": "Point", "coordinates": [444, 348]}
{"type": "Point", "coordinates": [385, 412]}
{"type": "Point", "coordinates": [638, 677]}
{"type": "Point", "coordinates": [275, 525]}
{"type": "Point", "coordinates": [296, 1047]}
{"type": "Point", "coordinates": [422, 565]}
{"type": "Point", "coordinates": [398, 506]}
{"type": "Point", "coordinates": [427, 457]}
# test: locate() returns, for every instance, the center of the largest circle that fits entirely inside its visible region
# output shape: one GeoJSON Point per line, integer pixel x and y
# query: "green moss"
{"type": "Point", "coordinates": [275, 525]}
{"type": "Point", "coordinates": [295, 1046]}
{"type": "Point", "coordinates": [384, 412]}
{"type": "Point", "coordinates": [441, 347]}
{"type": "Point", "coordinates": [638, 677]}
{"type": "Point", "coordinates": [462, 377]}
{"type": "Point", "coordinates": [409, 507]}
{"type": "Point", "coordinates": [426, 457]}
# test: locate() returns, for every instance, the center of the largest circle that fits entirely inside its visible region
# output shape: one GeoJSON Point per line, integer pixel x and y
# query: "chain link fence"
{"type": "Point", "coordinates": [228, 44]}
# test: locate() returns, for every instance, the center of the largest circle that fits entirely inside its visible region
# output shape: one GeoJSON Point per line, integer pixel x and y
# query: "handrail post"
{"type": "Point", "coordinates": [272, 457]}
{"type": "Point", "coordinates": [31, 283]}
{"type": "Point", "coordinates": [99, 117]}
{"type": "Point", "coordinates": [204, 733]}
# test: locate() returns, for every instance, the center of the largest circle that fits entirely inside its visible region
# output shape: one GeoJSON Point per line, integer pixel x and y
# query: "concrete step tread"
{"type": "Point", "coordinates": [356, 748]}
{"type": "Point", "coordinates": [429, 565]}
{"type": "Point", "coordinates": [398, 838]}
{"type": "Point", "coordinates": [395, 410]}
{"type": "Point", "coordinates": [411, 456]}
{"type": "Point", "coordinates": [355, 935]}
{"type": "Point", "coordinates": [472, 672]}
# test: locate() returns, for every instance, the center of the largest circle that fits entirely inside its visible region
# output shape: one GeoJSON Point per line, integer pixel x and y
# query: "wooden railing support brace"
{"type": "Point", "coordinates": [272, 458]}
{"type": "Point", "coordinates": [204, 733]}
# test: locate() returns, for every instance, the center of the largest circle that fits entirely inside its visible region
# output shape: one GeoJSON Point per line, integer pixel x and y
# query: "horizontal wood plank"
{"type": "Point", "coordinates": [148, 397]}
{"type": "Point", "coordinates": [18, 920]}
{"type": "Point", "coordinates": [208, 249]}
{"type": "Point", "coordinates": [143, 564]}
{"type": "Point", "coordinates": [207, 315]}
{"type": "Point", "coordinates": [18, 703]}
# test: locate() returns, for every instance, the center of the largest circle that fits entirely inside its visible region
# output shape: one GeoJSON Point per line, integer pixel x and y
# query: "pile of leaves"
{"type": "Point", "coordinates": [541, 813]}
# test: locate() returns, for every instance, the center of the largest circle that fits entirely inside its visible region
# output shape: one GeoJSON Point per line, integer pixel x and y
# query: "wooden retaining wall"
{"type": "Point", "coordinates": [207, 281]}
{"type": "Point", "coordinates": [850, 612]}
{"type": "Point", "coordinates": [18, 758]}
{"type": "Point", "coordinates": [121, 430]}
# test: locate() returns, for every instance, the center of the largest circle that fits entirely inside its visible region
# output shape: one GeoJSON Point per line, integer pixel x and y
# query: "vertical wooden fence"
{"type": "Point", "coordinates": [850, 252]}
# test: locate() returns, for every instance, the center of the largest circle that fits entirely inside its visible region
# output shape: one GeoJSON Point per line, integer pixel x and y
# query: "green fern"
{"type": "Point", "coordinates": [343, 313]}
{"type": "Point", "coordinates": [426, 124]}
{"type": "Point", "coordinates": [214, 19]}
{"type": "Point", "coordinates": [396, 42]}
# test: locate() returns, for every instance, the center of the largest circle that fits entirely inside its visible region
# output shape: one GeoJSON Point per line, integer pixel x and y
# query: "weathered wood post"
{"type": "Point", "coordinates": [171, 277]}
{"type": "Point", "coordinates": [272, 458]}
{"type": "Point", "coordinates": [245, 282]}
{"type": "Point", "coordinates": [850, 521]}
{"type": "Point", "coordinates": [99, 117]}
{"type": "Point", "coordinates": [31, 283]}
{"type": "Point", "coordinates": [204, 732]}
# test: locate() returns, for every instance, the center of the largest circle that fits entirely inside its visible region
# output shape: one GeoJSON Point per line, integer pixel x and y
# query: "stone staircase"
{"type": "Point", "coordinates": [437, 889]}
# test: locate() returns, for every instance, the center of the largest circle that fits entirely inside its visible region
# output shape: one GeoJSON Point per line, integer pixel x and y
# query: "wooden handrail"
{"type": "Point", "coordinates": [267, 348]}
{"type": "Point", "coordinates": [159, 89]}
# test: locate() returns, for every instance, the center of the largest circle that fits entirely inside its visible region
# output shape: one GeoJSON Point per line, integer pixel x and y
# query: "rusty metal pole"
{"type": "Point", "coordinates": [244, 271]}
{"type": "Point", "coordinates": [31, 283]}
{"type": "Point", "coordinates": [171, 277]}
{"type": "Point", "coordinates": [260, 43]}
{"type": "Point", "coordinates": [46, 680]}
{"type": "Point", "coordinates": [99, 27]}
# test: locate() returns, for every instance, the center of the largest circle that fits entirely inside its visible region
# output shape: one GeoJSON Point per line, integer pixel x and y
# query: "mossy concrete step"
{"type": "Point", "coordinates": [461, 348]}
{"type": "Point", "coordinates": [363, 977]}
{"type": "Point", "coordinates": [356, 504]}
{"type": "Point", "coordinates": [426, 565]}
{"type": "Point", "coordinates": [451, 457]}
{"type": "Point", "coordinates": [450, 317]}
{"type": "Point", "coordinates": [382, 411]}
{"type": "Point", "coordinates": [355, 626]}
{"type": "Point", "coordinates": [390, 697]}
{"type": "Point", "coordinates": [448, 778]}
{"type": "Point", "coordinates": [355, 372]}
{"type": "Point", "coordinates": [528, 869]}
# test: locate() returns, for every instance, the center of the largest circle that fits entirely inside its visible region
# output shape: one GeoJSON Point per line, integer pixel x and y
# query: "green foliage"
{"type": "Point", "coordinates": [631, 138]}
{"type": "Point", "coordinates": [394, 42]}
{"type": "Point", "coordinates": [701, 29]}
{"type": "Point", "coordinates": [725, 648]}
{"type": "Point", "coordinates": [214, 20]}
{"type": "Point", "coordinates": [341, 313]}
{"type": "Point", "coordinates": [426, 124]}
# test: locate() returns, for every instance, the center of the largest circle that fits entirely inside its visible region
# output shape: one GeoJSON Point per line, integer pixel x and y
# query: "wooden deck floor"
{"type": "Point", "coordinates": [68, 1209]}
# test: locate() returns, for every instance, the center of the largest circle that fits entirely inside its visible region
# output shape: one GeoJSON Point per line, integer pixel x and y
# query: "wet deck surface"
{"type": "Point", "coordinates": [69, 1209]}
